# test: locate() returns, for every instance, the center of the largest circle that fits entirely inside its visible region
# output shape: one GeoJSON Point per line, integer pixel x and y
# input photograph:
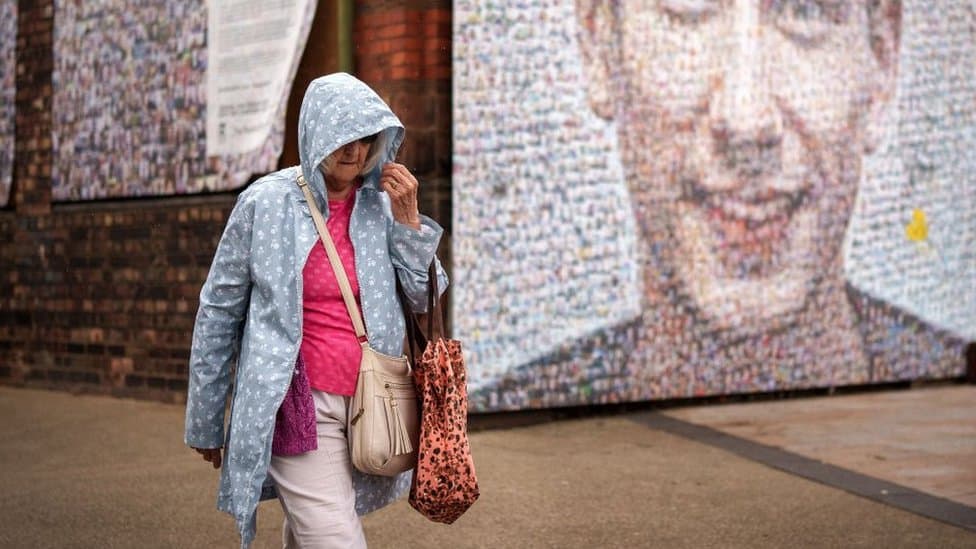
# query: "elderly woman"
{"type": "Point", "coordinates": [271, 304]}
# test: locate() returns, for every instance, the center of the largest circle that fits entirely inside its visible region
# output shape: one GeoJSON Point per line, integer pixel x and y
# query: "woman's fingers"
{"type": "Point", "coordinates": [397, 177]}
{"type": "Point", "coordinates": [390, 186]}
{"type": "Point", "coordinates": [401, 186]}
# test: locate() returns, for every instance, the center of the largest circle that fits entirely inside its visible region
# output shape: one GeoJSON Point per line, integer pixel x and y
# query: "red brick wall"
{"type": "Point", "coordinates": [100, 296]}
{"type": "Point", "coordinates": [403, 50]}
{"type": "Point", "coordinates": [103, 295]}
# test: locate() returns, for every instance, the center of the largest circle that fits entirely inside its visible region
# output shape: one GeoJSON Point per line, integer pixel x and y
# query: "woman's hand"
{"type": "Point", "coordinates": [401, 186]}
{"type": "Point", "coordinates": [210, 454]}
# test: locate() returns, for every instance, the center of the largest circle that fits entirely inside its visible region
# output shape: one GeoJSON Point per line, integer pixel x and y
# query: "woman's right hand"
{"type": "Point", "coordinates": [210, 454]}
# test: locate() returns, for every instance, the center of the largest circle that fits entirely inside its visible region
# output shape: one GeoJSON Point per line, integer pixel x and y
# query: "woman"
{"type": "Point", "coordinates": [271, 302]}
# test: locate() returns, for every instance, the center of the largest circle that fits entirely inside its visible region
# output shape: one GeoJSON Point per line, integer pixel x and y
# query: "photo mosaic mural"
{"type": "Point", "coordinates": [684, 198]}
{"type": "Point", "coordinates": [170, 97]}
{"type": "Point", "coordinates": [8, 73]}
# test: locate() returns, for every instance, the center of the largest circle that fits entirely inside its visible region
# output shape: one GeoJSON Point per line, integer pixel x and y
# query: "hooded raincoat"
{"type": "Point", "coordinates": [250, 316]}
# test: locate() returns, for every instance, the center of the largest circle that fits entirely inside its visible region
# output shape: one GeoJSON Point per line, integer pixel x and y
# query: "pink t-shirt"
{"type": "Point", "coordinates": [330, 349]}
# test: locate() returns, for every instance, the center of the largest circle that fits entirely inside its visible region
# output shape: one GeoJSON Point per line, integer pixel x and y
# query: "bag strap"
{"type": "Point", "coordinates": [340, 272]}
{"type": "Point", "coordinates": [416, 341]}
{"type": "Point", "coordinates": [435, 318]}
{"type": "Point", "coordinates": [415, 335]}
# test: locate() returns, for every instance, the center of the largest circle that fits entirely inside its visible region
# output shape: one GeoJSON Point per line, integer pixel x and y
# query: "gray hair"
{"type": "Point", "coordinates": [376, 151]}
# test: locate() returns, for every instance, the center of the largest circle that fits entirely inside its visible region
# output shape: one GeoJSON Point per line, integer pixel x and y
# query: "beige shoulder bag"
{"type": "Point", "coordinates": [384, 421]}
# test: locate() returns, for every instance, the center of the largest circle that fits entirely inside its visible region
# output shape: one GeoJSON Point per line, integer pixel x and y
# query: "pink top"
{"type": "Point", "coordinates": [330, 350]}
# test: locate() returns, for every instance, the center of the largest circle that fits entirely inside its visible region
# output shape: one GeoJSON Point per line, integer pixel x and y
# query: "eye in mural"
{"type": "Point", "coordinates": [8, 66]}
{"type": "Point", "coordinates": [172, 97]}
{"type": "Point", "coordinates": [765, 158]}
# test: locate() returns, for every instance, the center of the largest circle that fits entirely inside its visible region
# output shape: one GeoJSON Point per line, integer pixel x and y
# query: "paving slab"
{"type": "Point", "coordinates": [923, 438]}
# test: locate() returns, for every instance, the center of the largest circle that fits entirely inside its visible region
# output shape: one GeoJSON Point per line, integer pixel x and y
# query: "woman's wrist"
{"type": "Point", "coordinates": [410, 220]}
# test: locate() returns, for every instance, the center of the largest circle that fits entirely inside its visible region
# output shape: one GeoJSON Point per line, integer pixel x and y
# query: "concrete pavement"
{"type": "Point", "coordinates": [924, 438]}
{"type": "Point", "coordinates": [87, 471]}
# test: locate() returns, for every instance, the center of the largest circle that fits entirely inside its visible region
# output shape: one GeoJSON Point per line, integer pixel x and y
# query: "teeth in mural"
{"type": "Point", "coordinates": [757, 212]}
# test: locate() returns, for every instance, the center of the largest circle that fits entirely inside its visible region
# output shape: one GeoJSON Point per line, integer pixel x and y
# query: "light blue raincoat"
{"type": "Point", "coordinates": [251, 304]}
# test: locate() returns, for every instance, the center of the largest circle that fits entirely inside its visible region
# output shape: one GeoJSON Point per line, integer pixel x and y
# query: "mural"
{"type": "Point", "coordinates": [133, 82]}
{"type": "Point", "coordinates": [686, 198]}
{"type": "Point", "coordinates": [8, 72]}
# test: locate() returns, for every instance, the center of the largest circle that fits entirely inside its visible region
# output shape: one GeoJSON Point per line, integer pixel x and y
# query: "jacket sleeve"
{"type": "Point", "coordinates": [412, 251]}
{"type": "Point", "coordinates": [216, 332]}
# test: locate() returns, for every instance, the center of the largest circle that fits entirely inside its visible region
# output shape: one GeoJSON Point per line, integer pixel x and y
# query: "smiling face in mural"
{"type": "Point", "coordinates": [742, 125]}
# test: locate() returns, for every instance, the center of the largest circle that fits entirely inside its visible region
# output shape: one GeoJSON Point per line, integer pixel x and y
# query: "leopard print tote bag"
{"type": "Point", "coordinates": [444, 482]}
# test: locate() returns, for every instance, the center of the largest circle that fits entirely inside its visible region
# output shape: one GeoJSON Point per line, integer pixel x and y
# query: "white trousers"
{"type": "Point", "coordinates": [315, 488]}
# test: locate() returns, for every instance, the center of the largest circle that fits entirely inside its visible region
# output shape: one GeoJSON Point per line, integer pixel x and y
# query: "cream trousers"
{"type": "Point", "coordinates": [315, 488]}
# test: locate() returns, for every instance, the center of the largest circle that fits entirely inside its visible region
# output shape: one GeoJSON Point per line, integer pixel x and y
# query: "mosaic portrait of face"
{"type": "Point", "coordinates": [762, 161]}
{"type": "Point", "coordinates": [742, 126]}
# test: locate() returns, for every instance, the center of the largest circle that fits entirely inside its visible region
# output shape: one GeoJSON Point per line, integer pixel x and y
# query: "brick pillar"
{"type": "Point", "coordinates": [26, 248]}
{"type": "Point", "coordinates": [403, 51]}
{"type": "Point", "coordinates": [32, 142]}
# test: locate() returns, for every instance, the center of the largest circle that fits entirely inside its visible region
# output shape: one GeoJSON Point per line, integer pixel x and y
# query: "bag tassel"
{"type": "Point", "coordinates": [401, 439]}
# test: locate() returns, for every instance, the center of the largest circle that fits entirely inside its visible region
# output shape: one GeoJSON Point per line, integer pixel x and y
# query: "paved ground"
{"type": "Point", "coordinates": [924, 439]}
{"type": "Point", "coordinates": [84, 471]}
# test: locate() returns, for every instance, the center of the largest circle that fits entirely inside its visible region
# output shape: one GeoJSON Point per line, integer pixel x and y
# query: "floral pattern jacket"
{"type": "Point", "coordinates": [249, 325]}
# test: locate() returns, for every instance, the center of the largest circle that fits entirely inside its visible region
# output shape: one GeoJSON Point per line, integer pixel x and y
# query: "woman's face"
{"type": "Point", "coordinates": [346, 164]}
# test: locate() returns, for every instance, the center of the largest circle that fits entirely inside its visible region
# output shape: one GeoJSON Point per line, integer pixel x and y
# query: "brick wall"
{"type": "Point", "coordinates": [100, 296]}
{"type": "Point", "coordinates": [32, 142]}
{"type": "Point", "coordinates": [403, 50]}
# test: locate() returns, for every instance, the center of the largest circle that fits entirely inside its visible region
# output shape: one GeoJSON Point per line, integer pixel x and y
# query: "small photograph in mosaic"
{"type": "Point", "coordinates": [8, 91]}
{"type": "Point", "coordinates": [170, 97]}
{"type": "Point", "coordinates": [681, 198]}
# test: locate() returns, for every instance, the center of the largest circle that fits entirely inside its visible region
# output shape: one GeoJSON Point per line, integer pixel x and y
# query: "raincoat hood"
{"type": "Point", "coordinates": [338, 109]}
